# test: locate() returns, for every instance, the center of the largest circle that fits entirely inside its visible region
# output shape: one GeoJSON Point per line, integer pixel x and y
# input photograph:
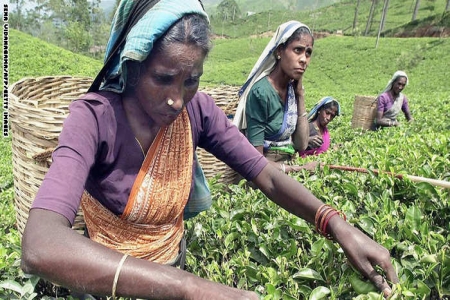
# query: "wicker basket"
{"type": "Point", "coordinates": [226, 97]}
{"type": "Point", "coordinates": [364, 112]}
{"type": "Point", "coordinates": [38, 108]}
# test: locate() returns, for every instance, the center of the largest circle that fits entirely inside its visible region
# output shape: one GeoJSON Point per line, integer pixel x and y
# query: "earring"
{"type": "Point", "coordinates": [170, 102]}
{"type": "Point", "coordinates": [278, 57]}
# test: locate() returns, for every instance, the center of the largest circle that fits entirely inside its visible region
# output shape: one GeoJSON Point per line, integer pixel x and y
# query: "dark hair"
{"type": "Point", "coordinates": [190, 29]}
{"type": "Point", "coordinates": [398, 78]}
{"type": "Point", "coordinates": [331, 104]}
{"type": "Point", "coordinates": [297, 34]}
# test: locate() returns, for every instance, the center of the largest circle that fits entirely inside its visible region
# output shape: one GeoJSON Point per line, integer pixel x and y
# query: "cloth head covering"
{"type": "Point", "coordinates": [393, 79]}
{"type": "Point", "coordinates": [325, 100]}
{"type": "Point", "coordinates": [265, 64]}
{"type": "Point", "coordinates": [142, 36]}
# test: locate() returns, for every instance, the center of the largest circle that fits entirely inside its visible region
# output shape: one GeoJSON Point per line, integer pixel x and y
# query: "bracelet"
{"type": "Point", "coordinates": [323, 216]}
{"type": "Point", "coordinates": [303, 115]}
{"type": "Point", "coordinates": [325, 223]}
{"type": "Point", "coordinates": [319, 213]}
{"type": "Point", "coordinates": [283, 168]}
{"type": "Point", "coordinates": [390, 124]}
{"type": "Point", "coordinates": [116, 276]}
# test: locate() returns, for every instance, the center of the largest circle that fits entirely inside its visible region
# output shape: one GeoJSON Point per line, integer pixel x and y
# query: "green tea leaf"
{"type": "Point", "coordinates": [307, 273]}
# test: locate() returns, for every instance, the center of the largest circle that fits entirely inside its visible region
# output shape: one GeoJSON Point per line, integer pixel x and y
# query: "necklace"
{"type": "Point", "coordinates": [140, 146]}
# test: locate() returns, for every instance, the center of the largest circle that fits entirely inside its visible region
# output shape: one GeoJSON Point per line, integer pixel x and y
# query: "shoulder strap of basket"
{"type": "Point", "coordinates": [139, 9]}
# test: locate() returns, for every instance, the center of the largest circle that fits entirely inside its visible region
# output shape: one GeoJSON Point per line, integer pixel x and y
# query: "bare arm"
{"type": "Point", "coordinates": [361, 251]}
{"type": "Point", "coordinates": [385, 122]}
{"type": "Point", "coordinates": [52, 250]}
{"type": "Point", "coordinates": [301, 133]}
{"type": "Point", "coordinates": [310, 166]}
{"type": "Point", "coordinates": [408, 115]}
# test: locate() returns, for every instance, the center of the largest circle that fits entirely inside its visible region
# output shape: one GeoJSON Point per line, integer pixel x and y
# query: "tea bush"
{"type": "Point", "coordinates": [246, 241]}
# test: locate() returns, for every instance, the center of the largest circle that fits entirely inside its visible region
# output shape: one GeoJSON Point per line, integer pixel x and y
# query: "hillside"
{"type": "Point", "coordinates": [25, 60]}
{"type": "Point", "coordinates": [257, 6]}
{"type": "Point", "coordinates": [231, 59]}
{"type": "Point", "coordinates": [340, 16]}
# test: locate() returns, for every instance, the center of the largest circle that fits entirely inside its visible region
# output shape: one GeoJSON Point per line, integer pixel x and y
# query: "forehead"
{"type": "Point", "coordinates": [177, 56]}
{"type": "Point", "coordinates": [401, 80]}
{"type": "Point", "coordinates": [332, 109]}
{"type": "Point", "coordinates": [304, 40]}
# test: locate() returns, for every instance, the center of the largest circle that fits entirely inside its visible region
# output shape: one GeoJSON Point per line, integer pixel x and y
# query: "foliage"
{"type": "Point", "coordinates": [246, 241]}
{"type": "Point", "coordinates": [332, 18]}
{"type": "Point", "coordinates": [73, 24]}
{"type": "Point", "coordinates": [49, 60]}
{"type": "Point", "coordinates": [228, 10]}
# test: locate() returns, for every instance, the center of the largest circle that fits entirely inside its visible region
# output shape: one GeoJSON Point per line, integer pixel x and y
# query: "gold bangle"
{"type": "Point", "coordinates": [116, 276]}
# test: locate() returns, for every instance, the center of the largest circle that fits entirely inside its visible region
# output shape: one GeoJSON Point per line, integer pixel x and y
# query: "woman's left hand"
{"type": "Point", "coordinates": [310, 166]}
{"type": "Point", "coordinates": [364, 254]}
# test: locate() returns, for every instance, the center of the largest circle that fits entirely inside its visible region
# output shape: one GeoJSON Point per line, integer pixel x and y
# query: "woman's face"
{"type": "Point", "coordinates": [326, 115]}
{"type": "Point", "coordinates": [174, 74]}
{"type": "Point", "coordinates": [399, 85]}
{"type": "Point", "coordinates": [295, 58]}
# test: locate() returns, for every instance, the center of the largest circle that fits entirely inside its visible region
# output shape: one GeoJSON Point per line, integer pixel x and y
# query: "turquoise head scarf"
{"type": "Point", "coordinates": [142, 36]}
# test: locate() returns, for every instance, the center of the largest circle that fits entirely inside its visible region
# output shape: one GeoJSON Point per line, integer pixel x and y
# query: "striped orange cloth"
{"type": "Point", "coordinates": [151, 226]}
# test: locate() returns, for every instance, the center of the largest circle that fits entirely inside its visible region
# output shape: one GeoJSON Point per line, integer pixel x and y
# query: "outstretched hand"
{"type": "Point", "coordinates": [365, 254]}
{"type": "Point", "coordinates": [310, 166]}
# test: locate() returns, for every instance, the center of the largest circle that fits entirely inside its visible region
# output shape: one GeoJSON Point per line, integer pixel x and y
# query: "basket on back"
{"type": "Point", "coordinates": [226, 97]}
{"type": "Point", "coordinates": [38, 108]}
{"type": "Point", "coordinates": [364, 112]}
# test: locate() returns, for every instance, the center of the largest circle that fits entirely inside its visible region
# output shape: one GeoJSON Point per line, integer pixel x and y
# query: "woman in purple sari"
{"type": "Point", "coordinates": [319, 137]}
{"type": "Point", "coordinates": [392, 101]}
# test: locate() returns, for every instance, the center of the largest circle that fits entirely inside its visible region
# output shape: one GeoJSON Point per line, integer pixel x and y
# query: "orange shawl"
{"type": "Point", "coordinates": [151, 226]}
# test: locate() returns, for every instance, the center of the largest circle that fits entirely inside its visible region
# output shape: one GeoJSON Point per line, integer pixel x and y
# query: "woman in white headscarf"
{"type": "Point", "coordinates": [391, 101]}
{"type": "Point", "coordinates": [271, 109]}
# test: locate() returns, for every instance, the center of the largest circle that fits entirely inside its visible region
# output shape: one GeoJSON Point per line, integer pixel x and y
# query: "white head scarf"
{"type": "Point", "coordinates": [393, 79]}
{"type": "Point", "coordinates": [265, 64]}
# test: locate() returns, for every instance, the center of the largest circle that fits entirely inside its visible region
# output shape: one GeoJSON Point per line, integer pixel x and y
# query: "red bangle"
{"type": "Point", "coordinates": [324, 228]}
{"type": "Point", "coordinates": [324, 217]}
{"type": "Point", "coordinates": [322, 209]}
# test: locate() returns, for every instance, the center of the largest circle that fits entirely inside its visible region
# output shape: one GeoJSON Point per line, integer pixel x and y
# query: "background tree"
{"type": "Point", "coordinates": [76, 25]}
{"type": "Point", "coordinates": [416, 9]}
{"type": "Point", "coordinates": [383, 20]}
{"type": "Point", "coordinates": [370, 18]}
{"type": "Point", "coordinates": [228, 10]}
{"type": "Point", "coordinates": [356, 15]}
{"type": "Point", "coordinates": [16, 18]}
{"type": "Point", "coordinates": [447, 6]}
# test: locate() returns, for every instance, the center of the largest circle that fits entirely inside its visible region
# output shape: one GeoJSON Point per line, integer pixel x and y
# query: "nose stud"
{"type": "Point", "coordinates": [170, 102]}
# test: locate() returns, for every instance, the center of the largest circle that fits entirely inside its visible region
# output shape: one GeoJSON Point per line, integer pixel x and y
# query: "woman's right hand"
{"type": "Point", "coordinates": [315, 141]}
{"type": "Point", "coordinates": [365, 255]}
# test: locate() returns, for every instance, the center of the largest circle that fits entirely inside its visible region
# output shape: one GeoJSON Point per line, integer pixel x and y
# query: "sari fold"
{"type": "Point", "coordinates": [151, 226]}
